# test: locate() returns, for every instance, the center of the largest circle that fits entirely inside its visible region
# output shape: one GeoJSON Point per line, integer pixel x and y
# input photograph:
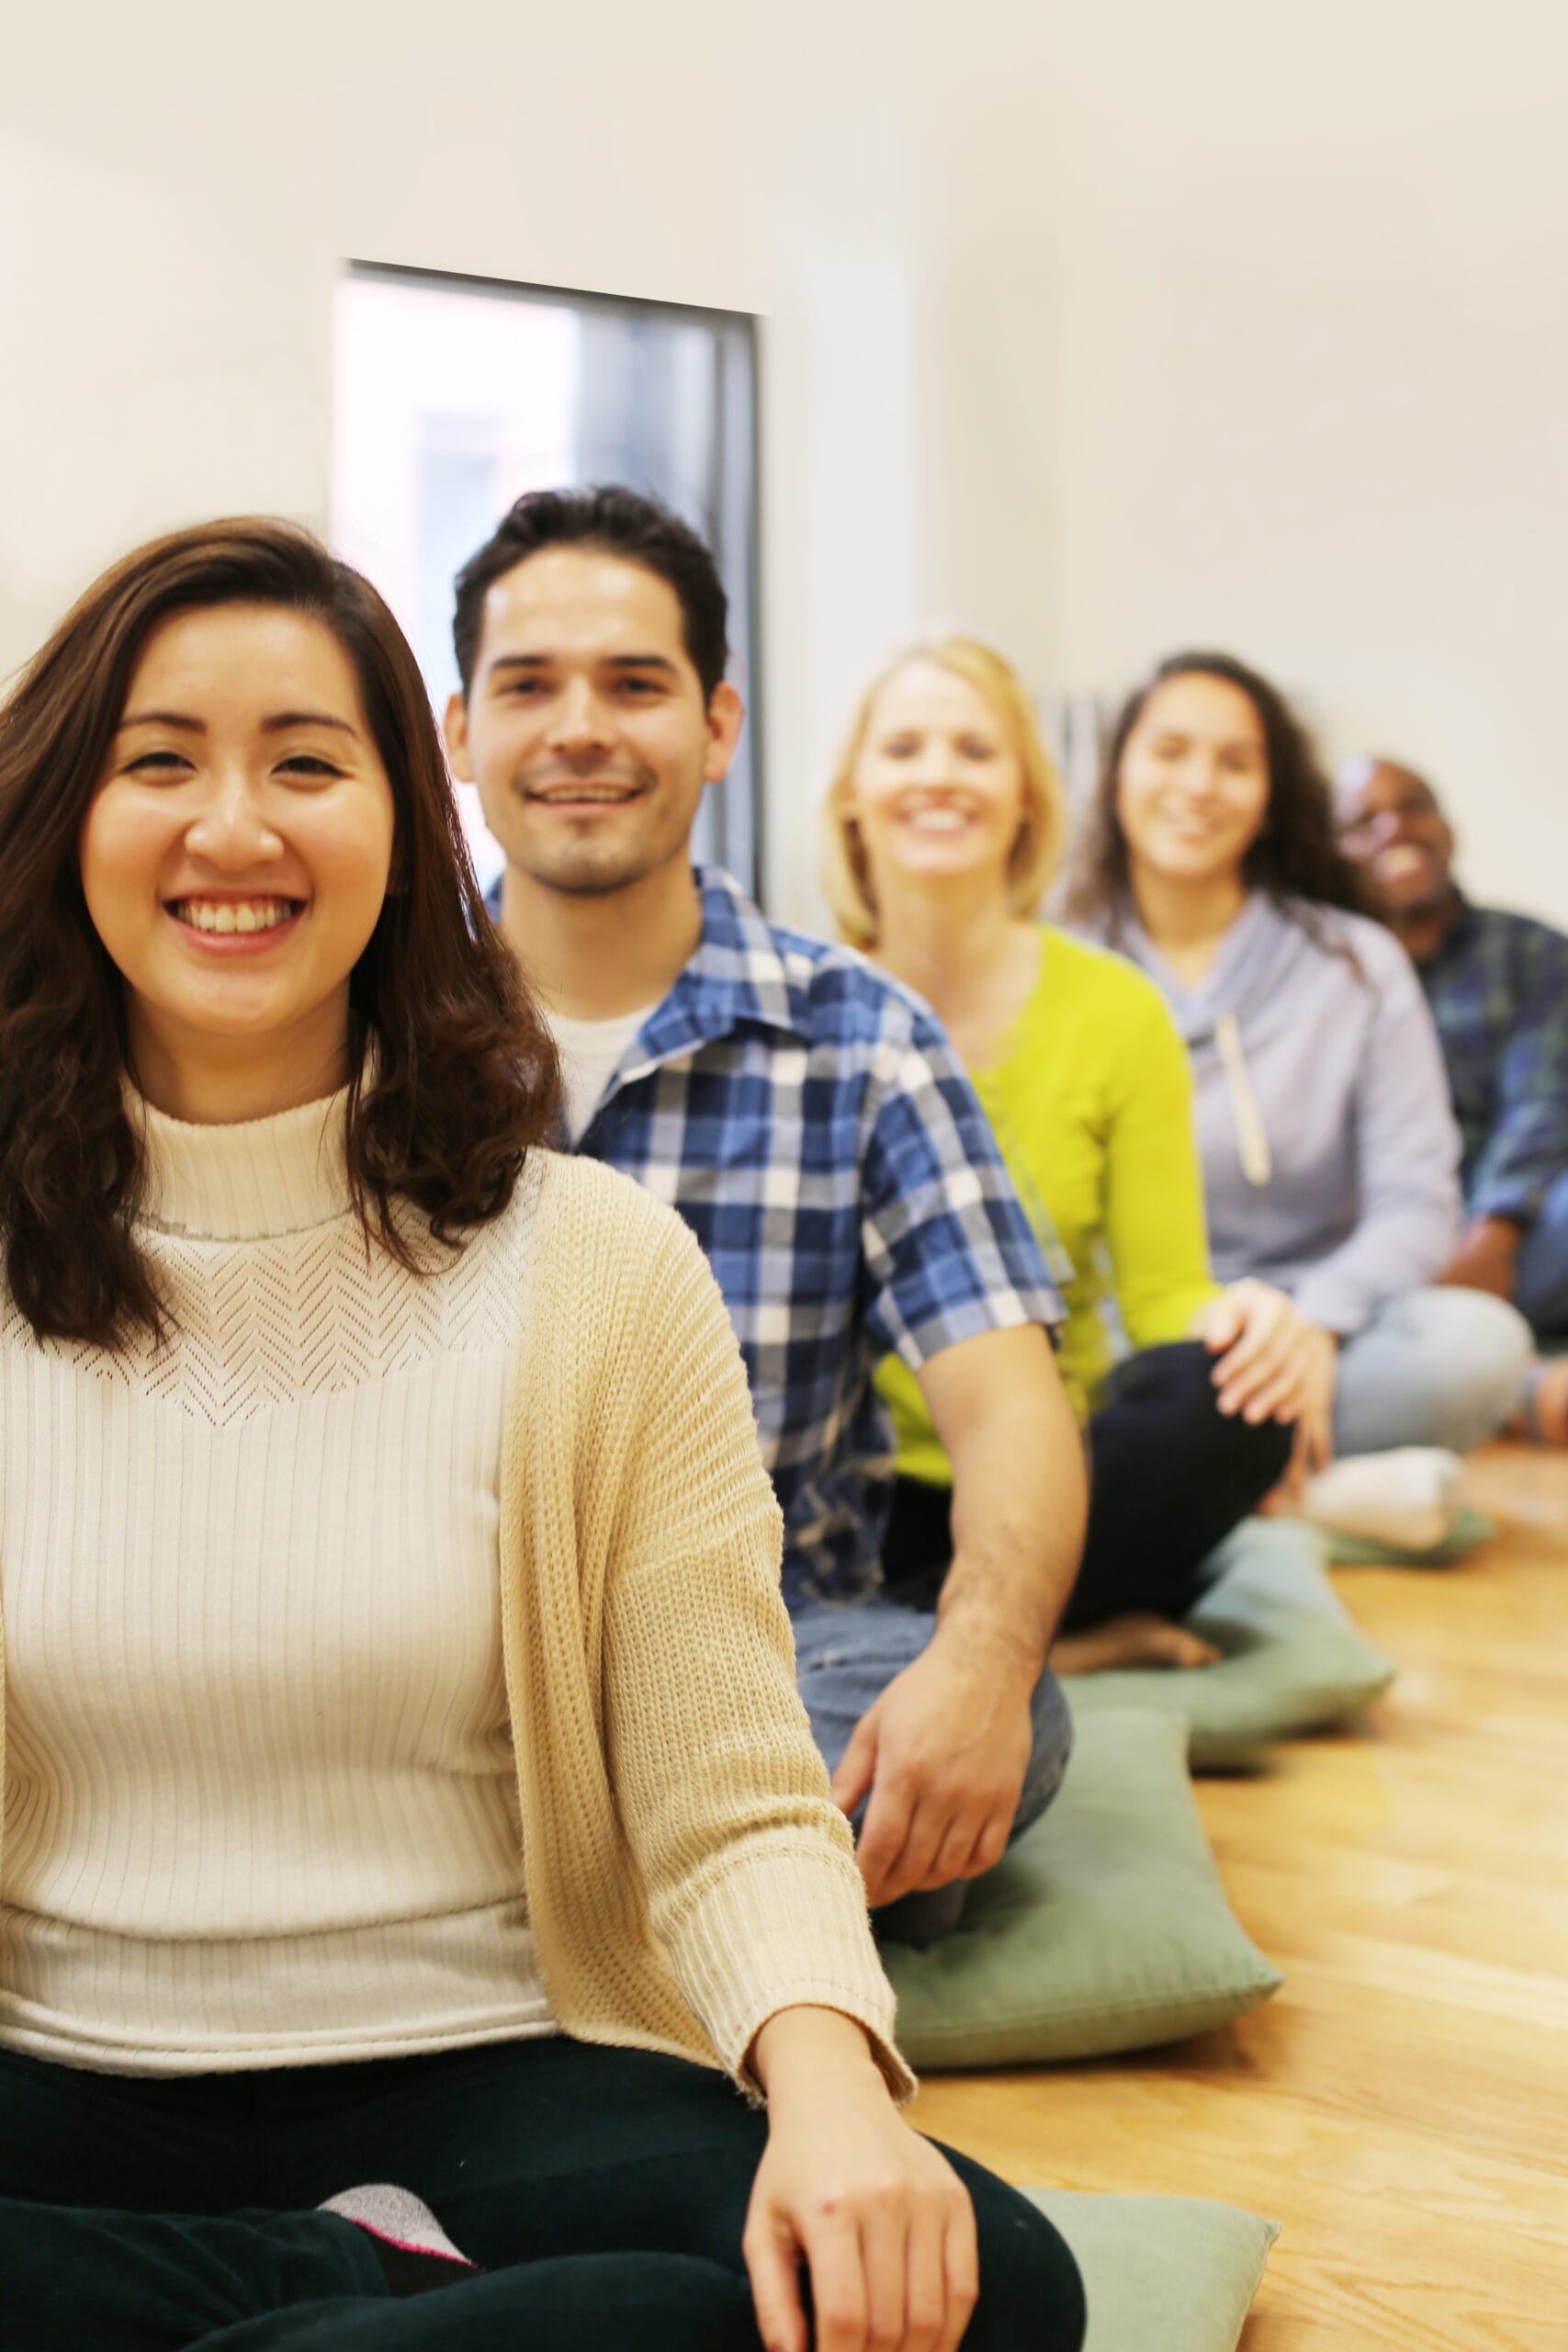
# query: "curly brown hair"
{"type": "Point", "coordinates": [453, 1072]}
{"type": "Point", "coordinates": [1295, 856]}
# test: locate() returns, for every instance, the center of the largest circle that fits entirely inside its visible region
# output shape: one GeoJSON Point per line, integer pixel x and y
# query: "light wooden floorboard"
{"type": "Point", "coordinates": [1402, 2106]}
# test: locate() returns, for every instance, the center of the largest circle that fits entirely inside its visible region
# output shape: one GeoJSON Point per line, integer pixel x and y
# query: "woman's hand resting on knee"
{"type": "Point", "coordinates": [1314, 1421]}
{"type": "Point", "coordinates": [1265, 1351]}
{"type": "Point", "coordinates": [880, 2220]}
{"type": "Point", "coordinates": [1274, 1365]}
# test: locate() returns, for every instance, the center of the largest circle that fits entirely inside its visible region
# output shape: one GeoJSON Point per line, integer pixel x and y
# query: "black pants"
{"type": "Point", "coordinates": [605, 2191]}
{"type": "Point", "coordinates": [1170, 1475]}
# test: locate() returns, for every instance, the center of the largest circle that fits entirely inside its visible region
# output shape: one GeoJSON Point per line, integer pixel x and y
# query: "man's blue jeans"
{"type": "Point", "coordinates": [845, 1656]}
{"type": "Point", "coordinates": [1541, 1273]}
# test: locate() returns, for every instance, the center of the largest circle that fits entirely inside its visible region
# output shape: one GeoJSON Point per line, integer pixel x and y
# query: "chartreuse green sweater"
{"type": "Point", "coordinates": [1092, 1101]}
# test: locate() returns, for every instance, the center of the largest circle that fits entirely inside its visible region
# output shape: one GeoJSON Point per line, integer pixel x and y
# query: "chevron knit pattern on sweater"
{"type": "Point", "coordinates": [361, 1582]}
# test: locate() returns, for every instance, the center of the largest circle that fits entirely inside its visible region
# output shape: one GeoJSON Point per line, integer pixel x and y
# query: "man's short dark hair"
{"type": "Point", "coordinates": [622, 522]}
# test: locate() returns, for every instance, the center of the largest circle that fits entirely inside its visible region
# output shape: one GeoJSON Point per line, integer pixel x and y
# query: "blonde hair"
{"type": "Point", "coordinates": [1037, 850]}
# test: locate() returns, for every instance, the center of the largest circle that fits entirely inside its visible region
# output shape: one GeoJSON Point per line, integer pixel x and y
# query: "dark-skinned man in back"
{"type": "Point", "coordinates": [1497, 984]}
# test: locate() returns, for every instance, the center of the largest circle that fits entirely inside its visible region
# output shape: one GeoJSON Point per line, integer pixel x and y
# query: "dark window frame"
{"type": "Point", "coordinates": [745, 326]}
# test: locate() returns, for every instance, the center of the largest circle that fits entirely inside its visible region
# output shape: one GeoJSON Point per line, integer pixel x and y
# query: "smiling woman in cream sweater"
{"type": "Point", "coordinates": [404, 1770]}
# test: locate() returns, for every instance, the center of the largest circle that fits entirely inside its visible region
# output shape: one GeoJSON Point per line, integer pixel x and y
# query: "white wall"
{"type": "Point", "coordinates": [1262, 341]}
{"type": "Point", "coordinates": [1098, 329]}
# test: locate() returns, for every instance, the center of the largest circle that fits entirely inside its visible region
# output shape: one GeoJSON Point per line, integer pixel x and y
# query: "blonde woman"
{"type": "Point", "coordinates": [944, 827]}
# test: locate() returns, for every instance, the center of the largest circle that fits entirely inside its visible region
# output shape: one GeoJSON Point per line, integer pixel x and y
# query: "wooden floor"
{"type": "Point", "coordinates": [1402, 2106]}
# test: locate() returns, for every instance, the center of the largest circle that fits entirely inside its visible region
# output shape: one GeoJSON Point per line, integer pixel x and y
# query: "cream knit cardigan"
{"type": "Point", "coordinates": [687, 1873]}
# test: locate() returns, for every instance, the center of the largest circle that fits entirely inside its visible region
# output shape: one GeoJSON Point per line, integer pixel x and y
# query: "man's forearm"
{"type": "Point", "coordinates": [1019, 1499]}
{"type": "Point", "coordinates": [1020, 1496]}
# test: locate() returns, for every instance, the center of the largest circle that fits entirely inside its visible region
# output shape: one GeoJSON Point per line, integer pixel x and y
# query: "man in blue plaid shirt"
{"type": "Point", "coordinates": [810, 1122]}
{"type": "Point", "coordinates": [1497, 984]}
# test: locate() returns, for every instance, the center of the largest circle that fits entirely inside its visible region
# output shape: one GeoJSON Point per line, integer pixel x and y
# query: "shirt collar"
{"type": "Point", "coordinates": [1467, 916]}
{"type": "Point", "coordinates": [736, 974]}
{"type": "Point", "coordinates": [1461, 933]}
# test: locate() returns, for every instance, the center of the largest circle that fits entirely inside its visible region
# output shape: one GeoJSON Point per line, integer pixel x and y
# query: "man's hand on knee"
{"type": "Point", "coordinates": [943, 1753]}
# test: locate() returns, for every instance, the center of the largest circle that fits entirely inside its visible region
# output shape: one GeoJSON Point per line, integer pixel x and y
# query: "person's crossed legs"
{"type": "Point", "coordinates": [846, 1654]}
{"type": "Point", "coordinates": [1445, 1367]}
{"type": "Point", "coordinates": [604, 2190]}
{"type": "Point", "coordinates": [1170, 1477]}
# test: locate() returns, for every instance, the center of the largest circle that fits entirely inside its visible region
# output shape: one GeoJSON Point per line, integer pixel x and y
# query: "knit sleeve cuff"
{"type": "Point", "coordinates": [1333, 1306]}
{"type": "Point", "coordinates": [894, 2072]}
{"type": "Point", "coordinates": [780, 1931]}
{"type": "Point", "coordinates": [1509, 1196]}
{"type": "Point", "coordinates": [1154, 1322]}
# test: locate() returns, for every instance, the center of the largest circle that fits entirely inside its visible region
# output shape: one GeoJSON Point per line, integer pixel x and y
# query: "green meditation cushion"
{"type": "Point", "coordinates": [1294, 1660]}
{"type": "Point", "coordinates": [1103, 1927]}
{"type": "Point", "coordinates": [1470, 1527]}
{"type": "Point", "coordinates": [1161, 2273]}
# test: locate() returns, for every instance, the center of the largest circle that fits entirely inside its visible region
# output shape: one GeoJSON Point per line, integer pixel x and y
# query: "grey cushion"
{"type": "Point", "coordinates": [1161, 2273]}
{"type": "Point", "coordinates": [1104, 1928]}
{"type": "Point", "coordinates": [1294, 1660]}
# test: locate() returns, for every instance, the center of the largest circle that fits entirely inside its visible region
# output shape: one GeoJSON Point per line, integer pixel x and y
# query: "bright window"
{"type": "Point", "coordinates": [453, 396]}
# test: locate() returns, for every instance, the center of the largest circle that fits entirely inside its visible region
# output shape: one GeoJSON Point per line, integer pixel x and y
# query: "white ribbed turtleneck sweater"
{"type": "Point", "coordinates": [261, 1808]}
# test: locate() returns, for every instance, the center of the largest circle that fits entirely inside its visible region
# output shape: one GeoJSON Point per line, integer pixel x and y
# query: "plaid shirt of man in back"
{"type": "Point", "coordinates": [1498, 990]}
{"type": "Point", "coordinates": [811, 1123]}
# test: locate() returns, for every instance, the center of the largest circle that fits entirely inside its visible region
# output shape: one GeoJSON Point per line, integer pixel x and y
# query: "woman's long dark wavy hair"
{"type": "Point", "coordinates": [462, 1077]}
{"type": "Point", "coordinates": [1295, 855]}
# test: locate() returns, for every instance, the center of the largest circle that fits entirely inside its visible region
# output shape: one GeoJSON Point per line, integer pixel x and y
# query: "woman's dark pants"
{"type": "Point", "coordinates": [1169, 1477]}
{"type": "Point", "coordinates": [604, 2192]}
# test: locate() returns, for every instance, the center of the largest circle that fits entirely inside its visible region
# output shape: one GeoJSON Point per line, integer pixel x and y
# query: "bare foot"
{"type": "Point", "coordinates": [1140, 1640]}
{"type": "Point", "coordinates": [1545, 1413]}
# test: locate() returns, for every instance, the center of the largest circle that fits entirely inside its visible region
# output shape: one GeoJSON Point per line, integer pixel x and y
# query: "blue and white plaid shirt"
{"type": "Point", "coordinates": [1498, 990]}
{"type": "Point", "coordinates": [811, 1123]}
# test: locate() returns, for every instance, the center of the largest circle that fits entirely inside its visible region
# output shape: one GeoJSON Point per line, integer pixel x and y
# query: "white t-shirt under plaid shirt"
{"type": "Point", "coordinates": [810, 1120]}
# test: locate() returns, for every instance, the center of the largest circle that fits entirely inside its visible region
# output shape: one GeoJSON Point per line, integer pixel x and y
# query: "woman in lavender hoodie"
{"type": "Point", "coordinates": [1329, 1150]}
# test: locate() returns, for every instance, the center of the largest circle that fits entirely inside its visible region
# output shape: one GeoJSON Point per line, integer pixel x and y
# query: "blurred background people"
{"type": "Point", "coordinates": [944, 827]}
{"type": "Point", "coordinates": [1330, 1153]}
{"type": "Point", "coordinates": [1497, 984]}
